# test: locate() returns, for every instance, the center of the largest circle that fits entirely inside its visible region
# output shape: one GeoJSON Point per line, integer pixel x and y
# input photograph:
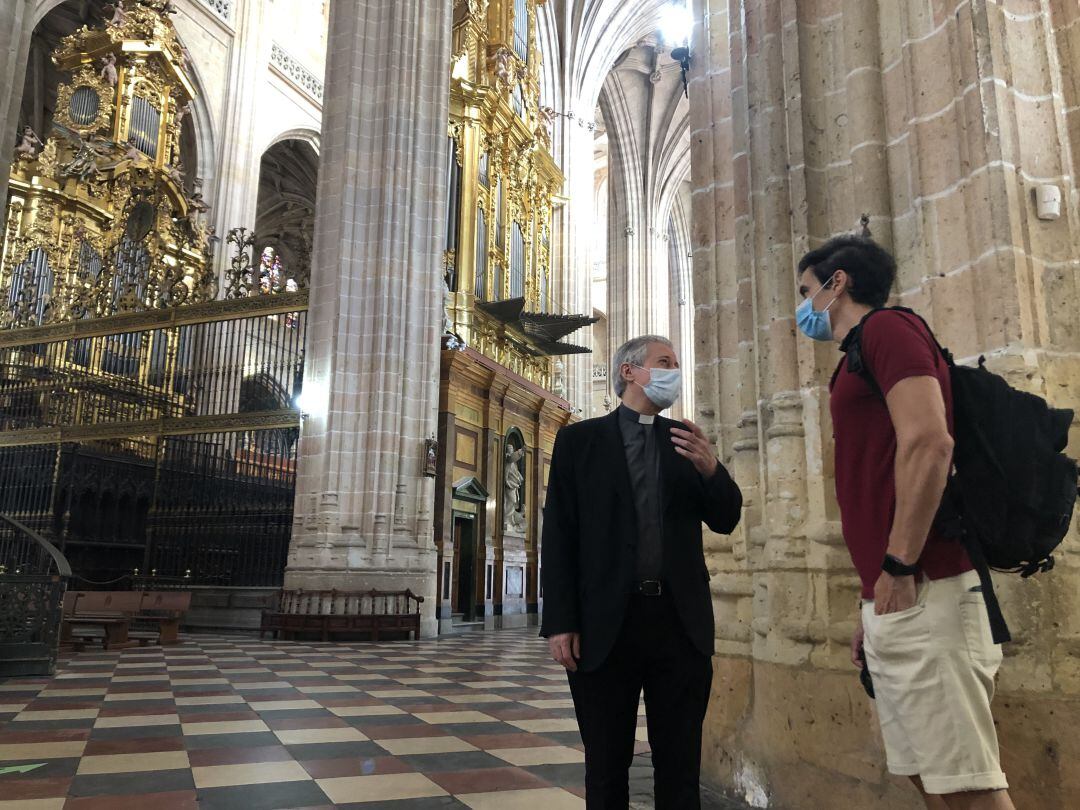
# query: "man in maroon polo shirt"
{"type": "Point", "coordinates": [923, 624]}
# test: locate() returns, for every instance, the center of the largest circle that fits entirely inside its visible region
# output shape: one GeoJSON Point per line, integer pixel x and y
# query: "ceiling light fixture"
{"type": "Point", "coordinates": [676, 25]}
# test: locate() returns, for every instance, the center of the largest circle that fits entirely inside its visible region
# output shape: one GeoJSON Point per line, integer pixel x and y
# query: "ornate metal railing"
{"type": "Point", "coordinates": [222, 8]}
{"type": "Point", "coordinates": [33, 577]}
{"type": "Point", "coordinates": [295, 71]}
{"type": "Point", "coordinates": [143, 373]}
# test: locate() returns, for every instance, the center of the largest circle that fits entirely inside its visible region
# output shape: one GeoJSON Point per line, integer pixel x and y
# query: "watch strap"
{"type": "Point", "coordinates": [896, 567]}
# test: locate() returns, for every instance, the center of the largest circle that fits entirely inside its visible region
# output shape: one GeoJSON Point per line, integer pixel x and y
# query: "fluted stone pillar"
{"type": "Point", "coordinates": [363, 507]}
{"type": "Point", "coordinates": [576, 293]}
{"type": "Point", "coordinates": [236, 194]}
{"type": "Point", "coordinates": [16, 25]}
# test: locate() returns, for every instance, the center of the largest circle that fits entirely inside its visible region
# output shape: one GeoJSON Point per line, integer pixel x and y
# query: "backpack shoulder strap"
{"type": "Point", "coordinates": [852, 346]}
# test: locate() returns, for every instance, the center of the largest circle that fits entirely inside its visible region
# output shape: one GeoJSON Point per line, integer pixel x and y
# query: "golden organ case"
{"type": "Point", "coordinates": [503, 186]}
{"type": "Point", "coordinates": [101, 217]}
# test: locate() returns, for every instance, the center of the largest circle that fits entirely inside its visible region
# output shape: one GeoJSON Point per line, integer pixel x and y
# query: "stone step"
{"type": "Point", "coordinates": [17, 667]}
{"type": "Point", "coordinates": [462, 626]}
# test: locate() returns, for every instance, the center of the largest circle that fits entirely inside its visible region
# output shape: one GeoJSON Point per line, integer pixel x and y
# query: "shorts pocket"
{"type": "Point", "coordinates": [897, 632]}
{"type": "Point", "coordinates": [976, 625]}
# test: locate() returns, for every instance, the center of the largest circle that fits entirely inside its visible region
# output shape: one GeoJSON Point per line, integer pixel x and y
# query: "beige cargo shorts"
{"type": "Point", "coordinates": [933, 668]}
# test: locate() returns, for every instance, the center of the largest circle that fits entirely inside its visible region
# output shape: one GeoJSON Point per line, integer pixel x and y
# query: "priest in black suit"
{"type": "Point", "coordinates": [627, 605]}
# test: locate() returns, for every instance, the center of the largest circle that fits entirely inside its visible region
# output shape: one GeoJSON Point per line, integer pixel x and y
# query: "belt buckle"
{"type": "Point", "coordinates": [650, 587]}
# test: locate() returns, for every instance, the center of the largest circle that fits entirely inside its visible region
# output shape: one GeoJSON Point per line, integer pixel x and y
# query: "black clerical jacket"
{"type": "Point", "coordinates": [589, 551]}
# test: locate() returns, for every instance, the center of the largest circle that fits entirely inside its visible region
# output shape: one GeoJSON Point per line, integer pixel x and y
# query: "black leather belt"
{"type": "Point", "coordinates": [648, 587]}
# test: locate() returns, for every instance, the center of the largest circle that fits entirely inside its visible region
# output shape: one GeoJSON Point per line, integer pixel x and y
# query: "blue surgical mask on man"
{"type": "Point", "coordinates": [663, 387]}
{"type": "Point", "coordinates": [816, 324]}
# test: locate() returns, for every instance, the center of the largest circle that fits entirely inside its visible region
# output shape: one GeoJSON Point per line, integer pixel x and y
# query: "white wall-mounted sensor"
{"type": "Point", "coordinates": [1047, 202]}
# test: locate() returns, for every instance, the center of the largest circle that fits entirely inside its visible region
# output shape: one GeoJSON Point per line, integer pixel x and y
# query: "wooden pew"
{"type": "Point", "coordinates": [332, 612]}
{"type": "Point", "coordinates": [113, 612]}
{"type": "Point", "coordinates": [165, 609]}
{"type": "Point", "coordinates": [86, 612]}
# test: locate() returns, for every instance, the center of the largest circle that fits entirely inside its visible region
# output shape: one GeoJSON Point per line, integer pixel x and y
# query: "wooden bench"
{"type": "Point", "coordinates": [113, 612]}
{"type": "Point", "coordinates": [336, 612]}
{"type": "Point", "coordinates": [165, 609]}
{"type": "Point", "coordinates": [99, 616]}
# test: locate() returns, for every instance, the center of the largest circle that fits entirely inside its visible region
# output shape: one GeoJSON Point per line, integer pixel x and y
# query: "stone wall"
{"type": "Point", "coordinates": [938, 118]}
{"type": "Point", "coordinates": [481, 403]}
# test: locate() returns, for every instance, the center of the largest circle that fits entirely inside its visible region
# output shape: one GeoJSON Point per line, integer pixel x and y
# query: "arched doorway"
{"type": "Point", "coordinates": [285, 213]}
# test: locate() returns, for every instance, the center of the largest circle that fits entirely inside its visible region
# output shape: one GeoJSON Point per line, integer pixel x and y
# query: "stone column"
{"type": "Point", "coordinates": [363, 507]}
{"type": "Point", "coordinates": [576, 292]}
{"type": "Point", "coordinates": [236, 191]}
{"type": "Point", "coordinates": [16, 25]}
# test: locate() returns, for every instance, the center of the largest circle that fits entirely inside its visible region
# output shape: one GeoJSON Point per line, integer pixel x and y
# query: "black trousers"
{"type": "Point", "coordinates": [652, 653]}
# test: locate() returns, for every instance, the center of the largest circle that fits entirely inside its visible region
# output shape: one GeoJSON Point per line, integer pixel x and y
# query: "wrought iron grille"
{"type": "Point", "coordinates": [214, 508]}
{"type": "Point", "coordinates": [33, 578]}
{"type": "Point", "coordinates": [162, 442]}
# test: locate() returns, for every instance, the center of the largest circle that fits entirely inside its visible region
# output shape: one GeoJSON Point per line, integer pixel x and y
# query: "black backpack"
{"type": "Point", "coordinates": [1010, 495]}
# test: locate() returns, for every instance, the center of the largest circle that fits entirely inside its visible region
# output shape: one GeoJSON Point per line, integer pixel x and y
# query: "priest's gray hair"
{"type": "Point", "coordinates": [633, 352]}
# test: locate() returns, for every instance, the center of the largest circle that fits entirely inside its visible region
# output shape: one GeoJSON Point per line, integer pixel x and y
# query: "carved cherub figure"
{"type": "Point", "coordinates": [504, 66]}
{"type": "Point", "coordinates": [161, 6]}
{"type": "Point", "coordinates": [198, 207]}
{"type": "Point", "coordinates": [108, 70]}
{"type": "Point", "coordinates": [119, 16]}
{"type": "Point", "coordinates": [176, 174]}
{"type": "Point", "coordinates": [28, 144]}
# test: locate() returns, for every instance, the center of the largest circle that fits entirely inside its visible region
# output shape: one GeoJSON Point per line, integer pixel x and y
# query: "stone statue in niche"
{"type": "Point", "coordinates": [431, 457]}
{"type": "Point", "coordinates": [513, 484]}
{"type": "Point", "coordinates": [28, 144]}
{"type": "Point", "coordinates": [448, 306]}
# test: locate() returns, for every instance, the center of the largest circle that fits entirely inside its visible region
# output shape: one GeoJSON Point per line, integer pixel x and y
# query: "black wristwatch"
{"type": "Point", "coordinates": [896, 567]}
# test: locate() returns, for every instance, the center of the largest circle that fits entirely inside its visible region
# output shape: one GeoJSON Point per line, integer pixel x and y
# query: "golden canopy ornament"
{"type": "Point", "coordinates": [101, 215]}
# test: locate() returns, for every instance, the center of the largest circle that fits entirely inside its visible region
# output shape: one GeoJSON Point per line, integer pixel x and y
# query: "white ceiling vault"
{"type": "Point", "coordinates": [605, 62]}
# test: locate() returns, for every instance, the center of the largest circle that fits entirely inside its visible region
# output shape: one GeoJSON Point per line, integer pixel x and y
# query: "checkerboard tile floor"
{"type": "Point", "coordinates": [474, 721]}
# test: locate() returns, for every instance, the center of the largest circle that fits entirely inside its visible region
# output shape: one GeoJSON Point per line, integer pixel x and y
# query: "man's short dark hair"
{"type": "Point", "coordinates": [872, 269]}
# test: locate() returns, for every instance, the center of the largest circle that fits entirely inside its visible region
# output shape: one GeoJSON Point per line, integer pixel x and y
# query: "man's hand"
{"type": "Point", "coordinates": [565, 648]}
{"type": "Point", "coordinates": [857, 642]}
{"type": "Point", "coordinates": [694, 445]}
{"type": "Point", "coordinates": [893, 594]}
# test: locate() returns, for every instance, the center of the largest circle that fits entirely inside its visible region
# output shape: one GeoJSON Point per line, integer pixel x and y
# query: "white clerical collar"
{"type": "Point", "coordinates": [630, 415]}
